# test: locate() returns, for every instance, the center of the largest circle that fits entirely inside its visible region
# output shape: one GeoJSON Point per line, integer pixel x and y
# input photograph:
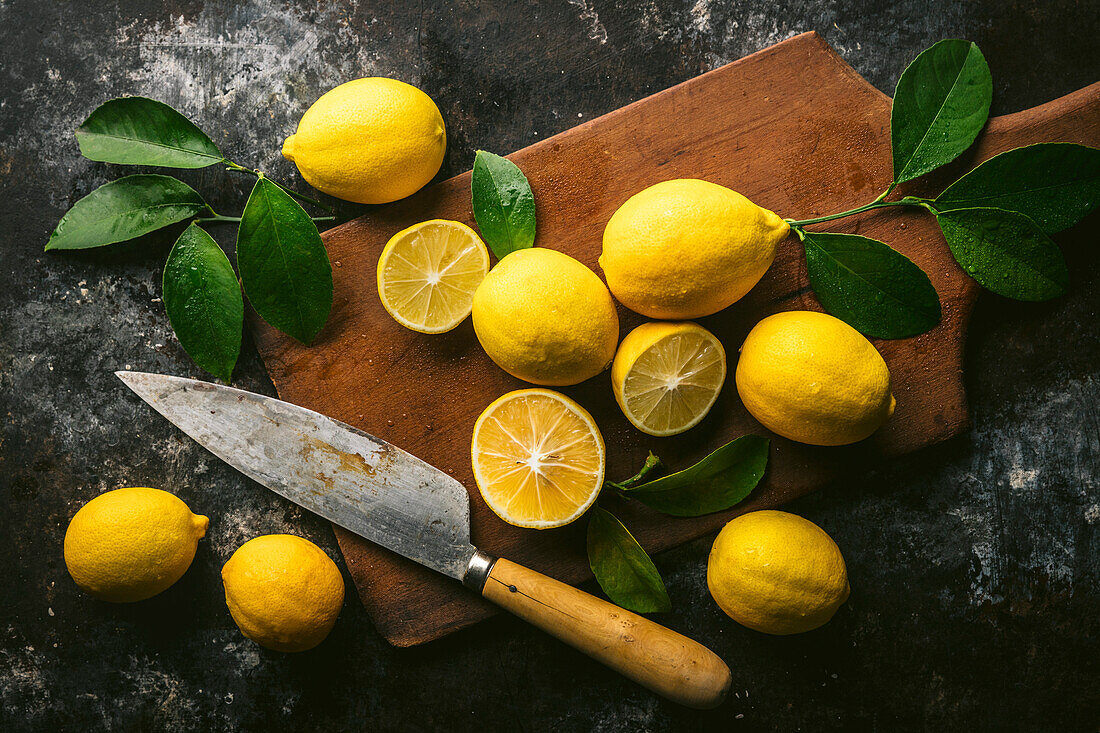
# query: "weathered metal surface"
{"type": "Point", "coordinates": [350, 478]}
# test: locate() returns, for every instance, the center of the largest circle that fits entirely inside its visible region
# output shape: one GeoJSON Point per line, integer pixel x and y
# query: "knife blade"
{"type": "Point", "coordinates": [398, 501]}
{"type": "Point", "coordinates": [350, 478]}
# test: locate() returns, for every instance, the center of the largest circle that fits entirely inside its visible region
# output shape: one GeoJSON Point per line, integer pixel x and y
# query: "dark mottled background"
{"type": "Point", "coordinates": [974, 566]}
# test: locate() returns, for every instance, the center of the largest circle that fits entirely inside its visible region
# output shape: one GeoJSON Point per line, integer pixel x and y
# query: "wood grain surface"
{"type": "Point", "coordinates": [792, 127]}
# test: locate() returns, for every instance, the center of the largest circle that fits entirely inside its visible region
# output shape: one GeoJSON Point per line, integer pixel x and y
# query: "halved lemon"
{"type": "Point", "coordinates": [538, 458]}
{"type": "Point", "coordinates": [667, 375]}
{"type": "Point", "coordinates": [427, 274]}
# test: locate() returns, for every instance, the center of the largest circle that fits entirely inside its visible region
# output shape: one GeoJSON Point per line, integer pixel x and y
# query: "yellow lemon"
{"type": "Point", "coordinates": [776, 572]}
{"type": "Point", "coordinates": [427, 274]}
{"type": "Point", "coordinates": [813, 378]}
{"type": "Point", "coordinates": [545, 318]}
{"type": "Point", "coordinates": [370, 141]}
{"type": "Point", "coordinates": [130, 544]}
{"type": "Point", "coordinates": [538, 458]}
{"type": "Point", "coordinates": [667, 375]}
{"type": "Point", "coordinates": [687, 248]}
{"type": "Point", "coordinates": [283, 592]}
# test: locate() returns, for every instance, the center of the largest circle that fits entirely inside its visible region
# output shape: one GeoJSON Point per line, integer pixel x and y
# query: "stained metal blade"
{"type": "Point", "coordinates": [353, 479]}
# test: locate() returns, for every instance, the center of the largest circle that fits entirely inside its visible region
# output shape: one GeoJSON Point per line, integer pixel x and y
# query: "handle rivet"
{"type": "Point", "coordinates": [513, 589]}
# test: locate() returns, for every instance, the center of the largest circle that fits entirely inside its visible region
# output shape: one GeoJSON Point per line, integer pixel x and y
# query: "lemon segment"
{"type": "Point", "coordinates": [538, 458]}
{"type": "Point", "coordinates": [666, 376]}
{"type": "Point", "coordinates": [428, 273]}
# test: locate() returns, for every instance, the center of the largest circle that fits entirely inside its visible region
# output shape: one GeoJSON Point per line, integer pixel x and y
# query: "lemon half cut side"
{"type": "Point", "coordinates": [427, 274]}
{"type": "Point", "coordinates": [538, 458]}
{"type": "Point", "coordinates": [667, 376]}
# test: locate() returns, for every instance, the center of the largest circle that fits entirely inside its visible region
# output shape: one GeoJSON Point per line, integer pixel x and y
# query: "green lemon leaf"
{"type": "Point", "coordinates": [1054, 184]}
{"type": "Point", "coordinates": [622, 567]}
{"type": "Point", "coordinates": [1006, 252]}
{"type": "Point", "coordinates": [141, 131]}
{"type": "Point", "coordinates": [284, 267]}
{"type": "Point", "coordinates": [504, 206]}
{"type": "Point", "coordinates": [719, 481]}
{"type": "Point", "coordinates": [203, 300]}
{"type": "Point", "coordinates": [870, 286]}
{"type": "Point", "coordinates": [940, 105]}
{"type": "Point", "coordinates": [124, 209]}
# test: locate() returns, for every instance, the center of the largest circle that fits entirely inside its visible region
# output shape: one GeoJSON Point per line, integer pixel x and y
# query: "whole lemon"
{"type": "Point", "coordinates": [545, 318]}
{"type": "Point", "coordinates": [283, 592]}
{"type": "Point", "coordinates": [776, 572]}
{"type": "Point", "coordinates": [687, 248]}
{"type": "Point", "coordinates": [813, 378]}
{"type": "Point", "coordinates": [370, 141]}
{"type": "Point", "coordinates": [130, 544]}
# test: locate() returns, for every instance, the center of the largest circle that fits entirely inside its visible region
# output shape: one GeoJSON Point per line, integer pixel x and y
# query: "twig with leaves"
{"type": "Point", "coordinates": [997, 219]}
{"type": "Point", "coordinates": [284, 269]}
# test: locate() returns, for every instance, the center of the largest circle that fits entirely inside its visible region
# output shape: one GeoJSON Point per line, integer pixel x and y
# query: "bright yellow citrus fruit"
{"type": "Point", "coordinates": [687, 248]}
{"type": "Point", "coordinates": [427, 274]}
{"type": "Point", "coordinates": [545, 318]}
{"type": "Point", "coordinates": [667, 375]}
{"type": "Point", "coordinates": [538, 458]}
{"type": "Point", "coordinates": [813, 378]}
{"type": "Point", "coordinates": [776, 572]}
{"type": "Point", "coordinates": [130, 544]}
{"type": "Point", "coordinates": [283, 592]}
{"type": "Point", "coordinates": [370, 141]}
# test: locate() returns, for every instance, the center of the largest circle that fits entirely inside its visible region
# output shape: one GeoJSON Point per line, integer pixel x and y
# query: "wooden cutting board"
{"type": "Point", "coordinates": [792, 127]}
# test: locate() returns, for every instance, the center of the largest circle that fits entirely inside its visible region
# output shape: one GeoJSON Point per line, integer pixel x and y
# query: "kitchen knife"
{"type": "Point", "coordinates": [394, 499]}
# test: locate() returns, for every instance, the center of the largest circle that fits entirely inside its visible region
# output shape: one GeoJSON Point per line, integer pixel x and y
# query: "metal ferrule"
{"type": "Point", "coordinates": [477, 571]}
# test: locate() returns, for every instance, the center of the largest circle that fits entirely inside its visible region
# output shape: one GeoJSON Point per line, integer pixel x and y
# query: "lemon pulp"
{"type": "Point", "coordinates": [666, 376]}
{"type": "Point", "coordinates": [538, 458]}
{"type": "Point", "coordinates": [427, 274]}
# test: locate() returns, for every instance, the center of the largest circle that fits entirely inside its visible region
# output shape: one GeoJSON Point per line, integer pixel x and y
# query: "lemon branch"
{"type": "Point", "coordinates": [652, 463]}
{"type": "Point", "coordinates": [878, 203]}
{"type": "Point", "coordinates": [231, 166]}
{"type": "Point", "coordinates": [216, 218]}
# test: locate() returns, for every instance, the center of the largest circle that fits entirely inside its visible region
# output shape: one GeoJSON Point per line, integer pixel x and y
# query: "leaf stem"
{"type": "Point", "coordinates": [876, 204]}
{"type": "Point", "coordinates": [652, 463]}
{"type": "Point", "coordinates": [219, 219]}
{"type": "Point", "coordinates": [231, 166]}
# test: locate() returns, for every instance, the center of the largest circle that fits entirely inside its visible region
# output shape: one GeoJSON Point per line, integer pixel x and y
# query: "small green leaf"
{"type": "Point", "coordinates": [1055, 184]}
{"type": "Point", "coordinates": [870, 286]}
{"type": "Point", "coordinates": [124, 209]}
{"type": "Point", "coordinates": [141, 131]}
{"type": "Point", "coordinates": [622, 567]}
{"type": "Point", "coordinates": [940, 105]}
{"type": "Point", "coordinates": [203, 300]}
{"type": "Point", "coordinates": [504, 206]}
{"type": "Point", "coordinates": [1006, 252]}
{"type": "Point", "coordinates": [284, 266]}
{"type": "Point", "coordinates": [719, 481]}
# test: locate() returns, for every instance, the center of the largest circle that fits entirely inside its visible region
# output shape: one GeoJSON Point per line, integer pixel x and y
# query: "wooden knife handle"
{"type": "Point", "coordinates": [657, 658]}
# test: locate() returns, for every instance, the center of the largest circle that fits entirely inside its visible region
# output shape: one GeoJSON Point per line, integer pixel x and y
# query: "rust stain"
{"type": "Point", "coordinates": [315, 451]}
